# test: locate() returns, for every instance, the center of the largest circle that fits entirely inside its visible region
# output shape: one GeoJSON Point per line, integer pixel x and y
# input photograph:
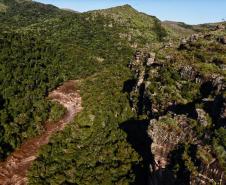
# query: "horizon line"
{"type": "Point", "coordinates": [126, 4]}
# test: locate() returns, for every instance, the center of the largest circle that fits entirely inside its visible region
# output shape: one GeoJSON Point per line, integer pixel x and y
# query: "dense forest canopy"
{"type": "Point", "coordinates": [42, 46]}
{"type": "Point", "coordinates": [47, 47]}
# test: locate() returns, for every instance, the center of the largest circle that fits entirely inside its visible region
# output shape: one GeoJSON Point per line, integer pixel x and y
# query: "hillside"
{"type": "Point", "coordinates": [138, 78]}
{"type": "Point", "coordinates": [177, 29]}
{"type": "Point", "coordinates": [180, 90]}
{"type": "Point", "coordinates": [18, 13]}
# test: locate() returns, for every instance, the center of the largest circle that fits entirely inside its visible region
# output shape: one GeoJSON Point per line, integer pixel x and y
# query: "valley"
{"type": "Point", "coordinates": [14, 169]}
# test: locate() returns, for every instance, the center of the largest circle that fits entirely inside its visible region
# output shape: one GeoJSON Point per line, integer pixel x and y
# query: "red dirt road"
{"type": "Point", "coordinates": [13, 171]}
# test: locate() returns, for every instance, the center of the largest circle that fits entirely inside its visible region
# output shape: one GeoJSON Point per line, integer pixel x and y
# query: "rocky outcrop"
{"type": "Point", "coordinates": [183, 44]}
{"type": "Point", "coordinates": [188, 73]}
{"type": "Point", "coordinates": [182, 124]}
{"type": "Point", "coordinates": [166, 134]}
{"type": "Point", "coordinates": [139, 97]}
{"type": "Point", "coordinates": [222, 39]}
{"type": "Point", "coordinates": [210, 173]}
{"type": "Point", "coordinates": [218, 83]}
{"type": "Point", "coordinates": [186, 42]}
{"type": "Point", "coordinates": [194, 37]}
{"type": "Point", "coordinates": [202, 117]}
{"type": "Point", "coordinates": [220, 27]}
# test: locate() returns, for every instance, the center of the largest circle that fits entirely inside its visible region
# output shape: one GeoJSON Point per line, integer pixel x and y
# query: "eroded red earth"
{"type": "Point", "coordinates": [14, 169]}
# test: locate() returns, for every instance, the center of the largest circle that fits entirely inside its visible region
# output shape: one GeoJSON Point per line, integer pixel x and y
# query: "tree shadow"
{"type": "Point", "coordinates": [144, 104]}
{"type": "Point", "coordinates": [162, 177]}
{"type": "Point", "coordinates": [178, 165]}
{"type": "Point", "coordinates": [8, 148]}
{"type": "Point", "coordinates": [213, 108]}
{"type": "Point", "coordinates": [188, 109]}
{"type": "Point", "coordinates": [206, 89]}
{"type": "Point", "coordinates": [138, 138]}
{"type": "Point", "coordinates": [2, 102]}
{"type": "Point", "coordinates": [129, 85]}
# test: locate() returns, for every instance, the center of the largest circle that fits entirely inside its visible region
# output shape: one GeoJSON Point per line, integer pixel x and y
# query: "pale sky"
{"type": "Point", "coordinates": [188, 11]}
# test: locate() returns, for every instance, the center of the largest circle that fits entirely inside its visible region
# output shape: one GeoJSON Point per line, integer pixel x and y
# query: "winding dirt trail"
{"type": "Point", "coordinates": [13, 171]}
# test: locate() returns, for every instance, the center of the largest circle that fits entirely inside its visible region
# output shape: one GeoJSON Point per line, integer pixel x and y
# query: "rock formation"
{"type": "Point", "coordinates": [222, 39]}
{"type": "Point", "coordinates": [202, 117]}
{"type": "Point", "coordinates": [180, 133]}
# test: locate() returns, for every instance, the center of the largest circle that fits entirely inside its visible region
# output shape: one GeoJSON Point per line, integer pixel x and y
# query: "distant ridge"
{"type": "Point", "coordinates": [70, 10]}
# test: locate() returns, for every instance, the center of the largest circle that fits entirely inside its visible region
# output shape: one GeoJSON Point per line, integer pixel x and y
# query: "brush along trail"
{"type": "Point", "coordinates": [14, 169]}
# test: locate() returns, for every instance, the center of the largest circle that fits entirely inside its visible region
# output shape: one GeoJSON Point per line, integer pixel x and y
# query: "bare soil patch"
{"type": "Point", "coordinates": [14, 169]}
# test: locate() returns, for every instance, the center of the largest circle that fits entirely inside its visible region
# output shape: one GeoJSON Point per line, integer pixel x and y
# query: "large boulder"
{"type": "Point", "coordinates": [166, 134]}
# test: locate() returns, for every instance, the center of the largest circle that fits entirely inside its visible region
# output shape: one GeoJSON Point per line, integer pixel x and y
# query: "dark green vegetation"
{"type": "Point", "coordinates": [47, 47]}
{"type": "Point", "coordinates": [93, 150]}
{"type": "Point", "coordinates": [42, 46]}
{"type": "Point", "coordinates": [19, 13]}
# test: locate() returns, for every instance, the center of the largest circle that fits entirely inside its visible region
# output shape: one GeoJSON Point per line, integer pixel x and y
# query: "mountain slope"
{"type": "Point", "coordinates": [17, 14]}
{"type": "Point", "coordinates": [108, 143]}
{"type": "Point", "coordinates": [181, 90]}
{"type": "Point", "coordinates": [177, 29]}
{"type": "Point", "coordinates": [42, 58]}
{"type": "Point", "coordinates": [138, 27]}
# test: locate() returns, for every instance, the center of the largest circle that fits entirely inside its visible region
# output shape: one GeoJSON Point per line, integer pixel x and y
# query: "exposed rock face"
{"type": "Point", "coordinates": [166, 134]}
{"type": "Point", "coordinates": [218, 83]}
{"type": "Point", "coordinates": [138, 68]}
{"type": "Point", "coordinates": [202, 117]}
{"type": "Point", "coordinates": [183, 44]}
{"type": "Point", "coordinates": [180, 131]}
{"type": "Point", "coordinates": [168, 45]}
{"type": "Point", "coordinates": [188, 73]}
{"type": "Point", "coordinates": [209, 174]}
{"type": "Point", "coordinates": [222, 39]}
{"type": "Point", "coordinates": [186, 42]}
{"type": "Point", "coordinates": [139, 98]}
{"type": "Point", "coordinates": [220, 27]}
{"type": "Point", "coordinates": [194, 37]}
{"type": "Point", "coordinates": [166, 137]}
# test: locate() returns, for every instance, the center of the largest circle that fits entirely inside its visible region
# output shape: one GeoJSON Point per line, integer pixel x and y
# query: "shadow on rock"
{"type": "Point", "coordinates": [162, 177]}
{"type": "Point", "coordinates": [137, 136]}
